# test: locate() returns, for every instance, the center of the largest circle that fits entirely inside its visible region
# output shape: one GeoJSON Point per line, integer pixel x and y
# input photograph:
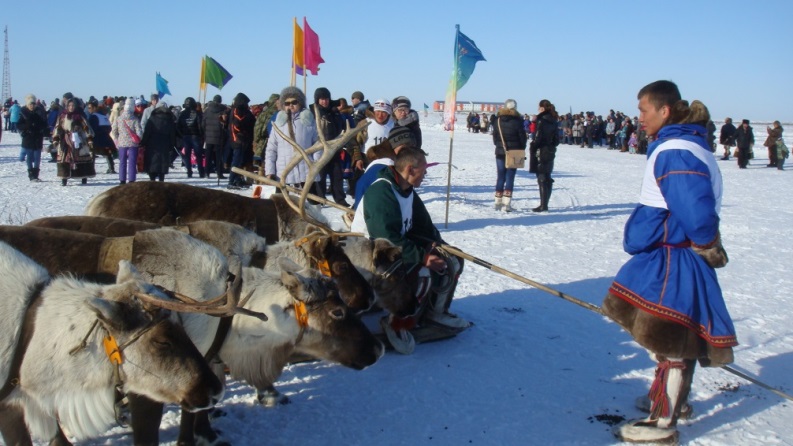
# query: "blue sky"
{"type": "Point", "coordinates": [734, 56]}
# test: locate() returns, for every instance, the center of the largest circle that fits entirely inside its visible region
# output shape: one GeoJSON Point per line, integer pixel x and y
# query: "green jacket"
{"type": "Point", "coordinates": [384, 219]}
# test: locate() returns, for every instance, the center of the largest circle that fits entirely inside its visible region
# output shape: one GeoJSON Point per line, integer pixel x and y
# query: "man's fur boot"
{"type": "Point", "coordinates": [668, 393]}
{"type": "Point", "coordinates": [442, 293]}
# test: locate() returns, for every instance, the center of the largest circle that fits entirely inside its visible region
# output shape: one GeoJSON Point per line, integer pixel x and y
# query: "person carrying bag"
{"type": "Point", "coordinates": [510, 140]}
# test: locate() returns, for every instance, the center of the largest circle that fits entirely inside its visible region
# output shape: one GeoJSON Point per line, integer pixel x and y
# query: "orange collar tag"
{"type": "Point", "coordinates": [301, 314]}
{"type": "Point", "coordinates": [324, 268]}
{"type": "Point", "coordinates": [111, 350]}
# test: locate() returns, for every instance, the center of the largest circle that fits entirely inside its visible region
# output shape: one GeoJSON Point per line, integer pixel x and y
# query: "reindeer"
{"type": "Point", "coordinates": [67, 345]}
{"type": "Point", "coordinates": [333, 331]}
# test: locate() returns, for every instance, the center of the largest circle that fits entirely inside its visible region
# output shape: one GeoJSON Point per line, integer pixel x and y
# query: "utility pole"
{"type": "Point", "coordinates": [6, 70]}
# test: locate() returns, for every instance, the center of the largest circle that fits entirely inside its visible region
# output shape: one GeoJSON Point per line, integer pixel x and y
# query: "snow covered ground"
{"type": "Point", "coordinates": [534, 369]}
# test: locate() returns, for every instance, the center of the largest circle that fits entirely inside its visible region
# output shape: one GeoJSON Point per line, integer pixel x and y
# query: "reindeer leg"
{"type": "Point", "coordinates": [12, 426]}
{"type": "Point", "coordinates": [202, 429]}
{"type": "Point", "coordinates": [271, 397]}
{"type": "Point", "coordinates": [145, 418]}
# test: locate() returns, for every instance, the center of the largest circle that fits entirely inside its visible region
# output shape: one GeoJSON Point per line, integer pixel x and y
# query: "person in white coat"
{"type": "Point", "coordinates": [297, 122]}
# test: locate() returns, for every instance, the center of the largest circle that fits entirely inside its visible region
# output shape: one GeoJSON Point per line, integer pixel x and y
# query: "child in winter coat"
{"type": "Point", "coordinates": [633, 143]}
{"type": "Point", "coordinates": [782, 153]}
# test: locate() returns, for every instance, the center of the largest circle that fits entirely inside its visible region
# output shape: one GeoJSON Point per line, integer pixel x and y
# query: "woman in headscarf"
{"type": "Point", "coordinates": [126, 132]}
{"type": "Point", "coordinates": [73, 137]}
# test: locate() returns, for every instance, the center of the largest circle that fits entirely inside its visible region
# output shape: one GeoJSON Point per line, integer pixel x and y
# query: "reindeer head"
{"type": "Point", "coordinates": [331, 330]}
{"type": "Point", "coordinates": [158, 360]}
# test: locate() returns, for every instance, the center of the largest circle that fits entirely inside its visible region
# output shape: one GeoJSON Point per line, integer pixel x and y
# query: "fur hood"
{"type": "Point", "coordinates": [508, 112]}
{"type": "Point", "coordinates": [295, 93]}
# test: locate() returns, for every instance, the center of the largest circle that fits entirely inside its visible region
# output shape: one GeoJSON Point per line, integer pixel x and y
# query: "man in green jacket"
{"type": "Point", "coordinates": [391, 209]}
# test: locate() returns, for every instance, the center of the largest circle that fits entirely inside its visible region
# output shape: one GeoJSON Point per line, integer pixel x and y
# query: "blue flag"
{"type": "Point", "coordinates": [162, 86]}
{"type": "Point", "coordinates": [467, 55]}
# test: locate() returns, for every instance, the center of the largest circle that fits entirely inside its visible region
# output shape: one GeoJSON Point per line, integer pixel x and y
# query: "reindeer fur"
{"type": "Point", "coordinates": [663, 337]}
{"type": "Point", "coordinates": [170, 204]}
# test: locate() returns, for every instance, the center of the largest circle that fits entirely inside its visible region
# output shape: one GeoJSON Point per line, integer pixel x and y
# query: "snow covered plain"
{"type": "Point", "coordinates": [534, 369]}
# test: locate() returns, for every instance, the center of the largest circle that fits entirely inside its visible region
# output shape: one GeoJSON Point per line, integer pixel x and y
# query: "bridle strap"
{"type": "Point", "coordinates": [26, 334]}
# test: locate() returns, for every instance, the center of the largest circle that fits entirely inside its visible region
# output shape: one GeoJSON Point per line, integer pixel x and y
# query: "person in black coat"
{"type": "Point", "coordinates": [727, 138]}
{"type": "Point", "coordinates": [241, 122]}
{"type": "Point", "coordinates": [214, 131]}
{"type": "Point", "coordinates": [159, 140]}
{"type": "Point", "coordinates": [32, 126]}
{"type": "Point", "coordinates": [103, 143]}
{"type": "Point", "coordinates": [189, 128]}
{"type": "Point", "coordinates": [744, 139]}
{"type": "Point", "coordinates": [330, 125]}
{"type": "Point", "coordinates": [508, 134]}
{"type": "Point", "coordinates": [543, 151]}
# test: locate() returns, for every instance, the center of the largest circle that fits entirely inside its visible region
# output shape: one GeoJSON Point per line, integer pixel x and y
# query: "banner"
{"type": "Point", "coordinates": [466, 55]}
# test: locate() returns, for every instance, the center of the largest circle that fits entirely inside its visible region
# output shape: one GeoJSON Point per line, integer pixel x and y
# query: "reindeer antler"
{"type": "Point", "coordinates": [226, 305]}
{"type": "Point", "coordinates": [329, 151]}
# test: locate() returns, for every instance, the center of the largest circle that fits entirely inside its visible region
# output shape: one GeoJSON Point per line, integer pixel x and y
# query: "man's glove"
{"type": "Point", "coordinates": [715, 255]}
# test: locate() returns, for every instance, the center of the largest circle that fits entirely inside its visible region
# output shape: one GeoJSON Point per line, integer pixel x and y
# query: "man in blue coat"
{"type": "Point", "coordinates": [667, 296]}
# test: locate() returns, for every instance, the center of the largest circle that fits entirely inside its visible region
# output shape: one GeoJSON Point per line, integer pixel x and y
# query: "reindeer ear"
{"type": "Point", "coordinates": [289, 273]}
{"type": "Point", "coordinates": [384, 249]}
{"type": "Point", "coordinates": [108, 312]}
{"type": "Point", "coordinates": [127, 272]}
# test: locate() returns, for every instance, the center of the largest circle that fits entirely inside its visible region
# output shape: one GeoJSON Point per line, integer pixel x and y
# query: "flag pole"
{"type": "Point", "coordinates": [454, 121]}
{"type": "Point", "coordinates": [305, 68]}
{"type": "Point", "coordinates": [293, 79]}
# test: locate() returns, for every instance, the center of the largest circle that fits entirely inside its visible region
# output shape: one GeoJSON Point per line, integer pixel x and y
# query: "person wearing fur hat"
{"type": "Point", "coordinates": [508, 134]}
{"type": "Point", "coordinates": [330, 126]}
{"type": "Point", "coordinates": [126, 132]}
{"type": "Point", "coordinates": [744, 140]}
{"type": "Point", "coordinates": [241, 122]}
{"type": "Point", "coordinates": [542, 151]}
{"type": "Point", "coordinates": [667, 296]}
{"type": "Point", "coordinates": [405, 116]}
{"type": "Point", "coordinates": [297, 123]}
{"type": "Point", "coordinates": [32, 126]}
{"type": "Point", "coordinates": [73, 137]}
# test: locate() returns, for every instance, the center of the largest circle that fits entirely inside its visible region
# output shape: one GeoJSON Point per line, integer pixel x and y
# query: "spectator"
{"type": "Point", "coordinates": [14, 113]}
{"type": "Point", "coordinates": [241, 122]}
{"type": "Point", "coordinates": [508, 134]}
{"type": "Point", "coordinates": [297, 123]}
{"type": "Point", "coordinates": [103, 144]}
{"type": "Point", "coordinates": [727, 138]}
{"type": "Point", "coordinates": [744, 140]}
{"type": "Point", "coordinates": [215, 135]}
{"type": "Point", "coordinates": [774, 133]}
{"type": "Point", "coordinates": [189, 127]}
{"type": "Point", "coordinates": [32, 126]}
{"type": "Point", "coordinates": [330, 126]}
{"type": "Point", "coordinates": [126, 131]}
{"type": "Point", "coordinates": [542, 152]}
{"type": "Point", "coordinates": [158, 141]}
{"type": "Point", "coordinates": [74, 138]}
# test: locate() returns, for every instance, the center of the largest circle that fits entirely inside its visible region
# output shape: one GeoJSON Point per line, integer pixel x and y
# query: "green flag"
{"type": "Point", "coordinates": [215, 74]}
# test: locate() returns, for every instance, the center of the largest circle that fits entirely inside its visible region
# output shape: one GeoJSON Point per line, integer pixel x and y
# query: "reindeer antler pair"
{"type": "Point", "coordinates": [314, 168]}
{"type": "Point", "coordinates": [226, 305]}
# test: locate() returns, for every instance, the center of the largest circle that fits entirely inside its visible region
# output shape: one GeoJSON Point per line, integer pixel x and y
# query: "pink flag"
{"type": "Point", "coordinates": [311, 53]}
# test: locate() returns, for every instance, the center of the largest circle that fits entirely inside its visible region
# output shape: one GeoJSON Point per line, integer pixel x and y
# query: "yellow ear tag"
{"type": "Point", "coordinates": [301, 314]}
{"type": "Point", "coordinates": [324, 268]}
{"type": "Point", "coordinates": [111, 350]}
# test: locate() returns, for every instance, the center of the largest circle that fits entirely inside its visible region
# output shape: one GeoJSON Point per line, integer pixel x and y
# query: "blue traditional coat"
{"type": "Point", "coordinates": [679, 207]}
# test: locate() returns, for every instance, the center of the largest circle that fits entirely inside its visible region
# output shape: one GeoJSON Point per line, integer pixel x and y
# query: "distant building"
{"type": "Point", "coordinates": [470, 106]}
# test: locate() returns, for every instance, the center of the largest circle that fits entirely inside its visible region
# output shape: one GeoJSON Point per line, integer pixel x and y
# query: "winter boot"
{"type": "Point", "coordinates": [398, 334]}
{"type": "Point", "coordinates": [35, 178]}
{"type": "Point", "coordinates": [499, 203]}
{"type": "Point", "coordinates": [30, 174]}
{"type": "Point", "coordinates": [669, 392]}
{"type": "Point", "coordinates": [111, 167]}
{"type": "Point", "coordinates": [63, 181]}
{"type": "Point", "coordinates": [441, 296]}
{"type": "Point", "coordinates": [541, 207]}
{"type": "Point", "coordinates": [507, 201]}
